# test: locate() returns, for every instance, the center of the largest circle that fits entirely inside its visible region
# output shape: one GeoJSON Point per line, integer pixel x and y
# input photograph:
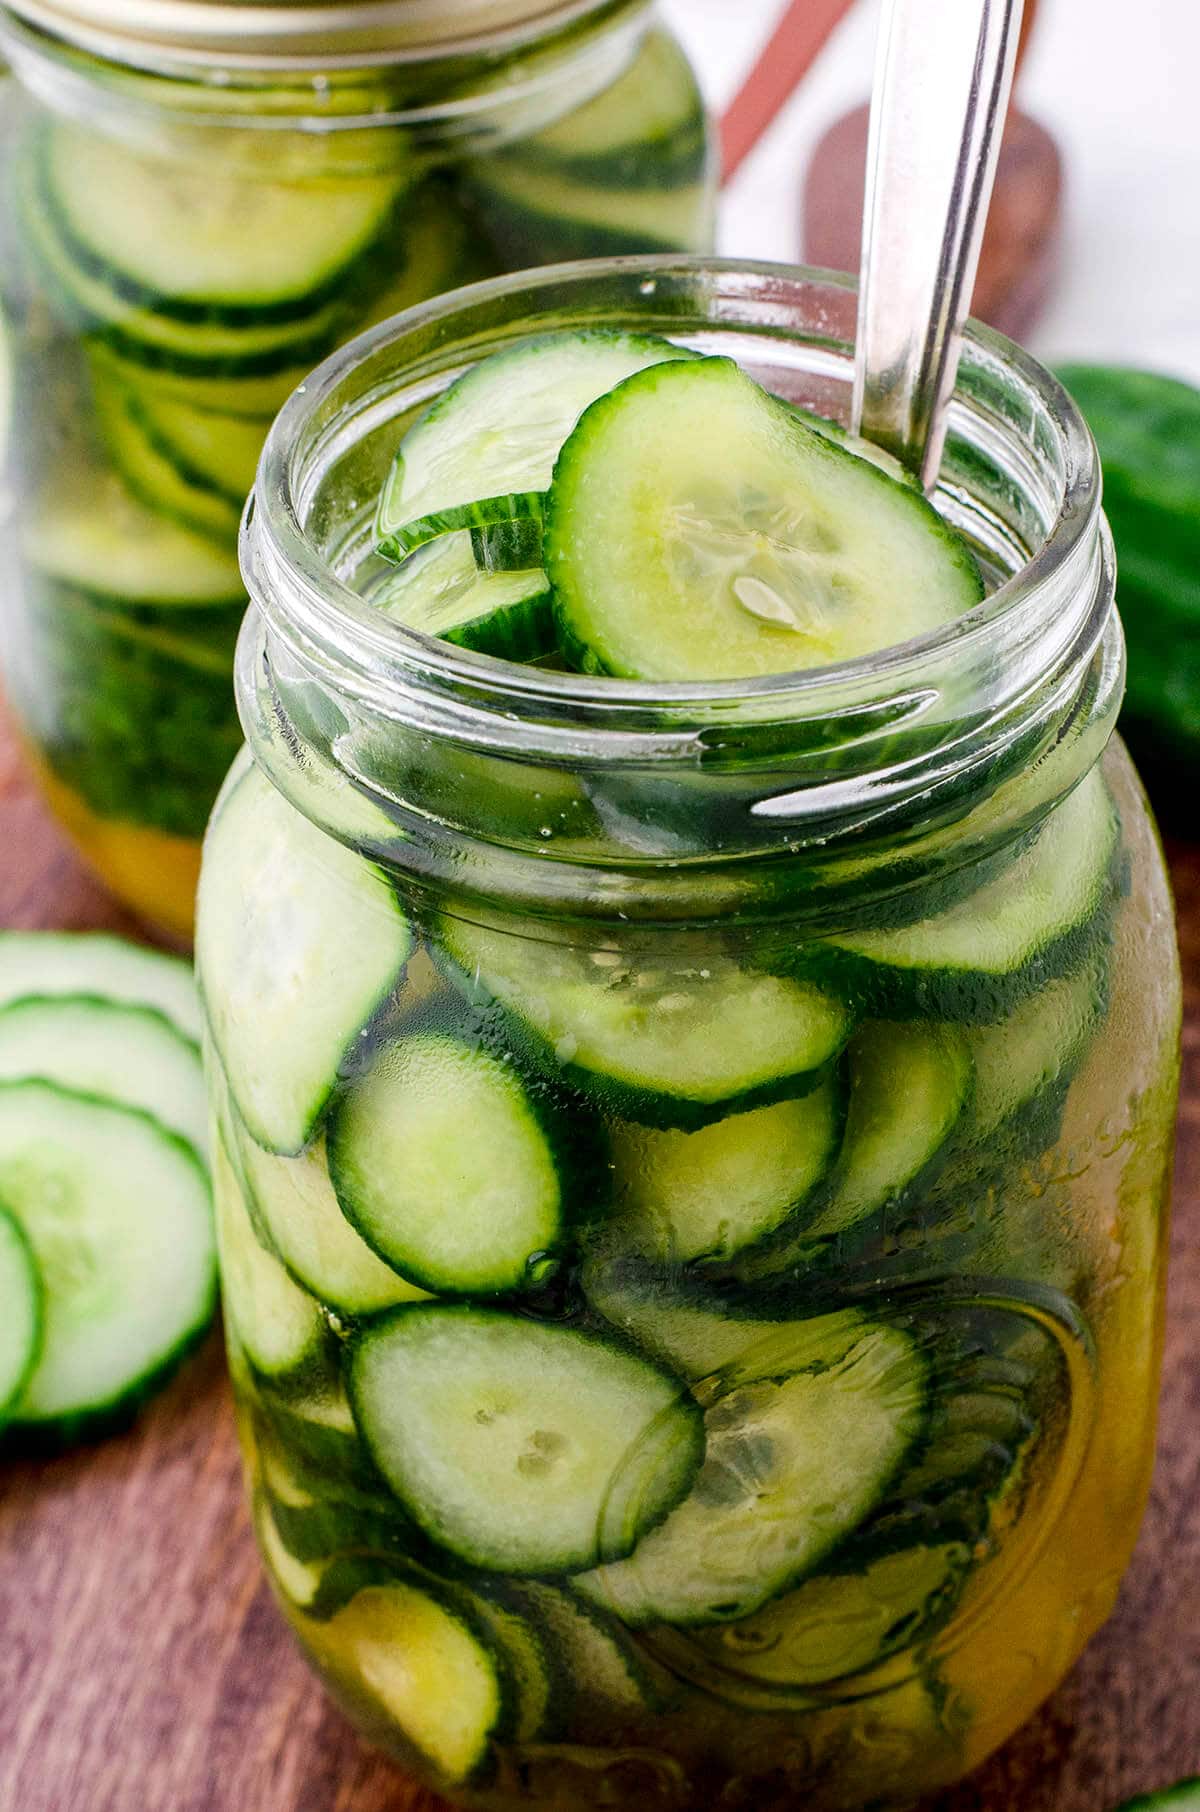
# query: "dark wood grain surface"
{"type": "Point", "coordinates": [144, 1668]}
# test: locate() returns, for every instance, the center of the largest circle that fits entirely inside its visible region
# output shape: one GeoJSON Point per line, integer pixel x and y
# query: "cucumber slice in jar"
{"type": "Point", "coordinates": [909, 1087]}
{"type": "Point", "coordinates": [132, 1055]}
{"type": "Point", "coordinates": [520, 1446]}
{"type": "Point", "coordinates": [840, 1624]}
{"type": "Point", "coordinates": [537, 210]}
{"type": "Point", "coordinates": [485, 451]}
{"type": "Point", "coordinates": [186, 238]}
{"type": "Point", "coordinates": [292, 930]}
{"type": "Point", "coordinates": [1035, 1049]}
{"type": "Point", "coordinates": [1034, 920]}
{"type": "Point", "coordinates": [696, 529]}
{"type": "Point", "coordinates": [21, 1322]}
{"type": "Point", "coordinates": [539, 1693]}
{"type": "Point", "coordinates": [88, 531]}
{"type": "Point", "coordinates": [684, 1197]}
{"type": "Point", "coordinates": [93, 962]}
{"type": "Point", "coordinates": [607, 1676]}
{"type": "Point", "coordinates": [664, 1048]}
{"type": "Point", "coordinates": [791, 1466]}
{"type": "Point", "coordinates": [415, 1659]}
{"type": "Point", "coordinates": [117, 1212]}
{"type": "Point", "coordinates": [149, 468]}
{"type": "Point", "coordinates": [294, 1202]}
{"type": "Point", "coordinates": [453, 1171]}
{"type": "Point", "coordinates": [636, 130]}
{"type": "Point", "coordinates": [278, 1326]}
{"type": "Point", "coordinates": [440, 591]}
{"type": "Point", "coordinates": [210, 452]}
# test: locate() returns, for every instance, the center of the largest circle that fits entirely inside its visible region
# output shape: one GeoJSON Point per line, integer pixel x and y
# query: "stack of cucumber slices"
{"type": "Point", "coordinates": [553, 1266]}
{"type": "Point", "coordinates": [107, 1261]}
{"type": "Point", "coordinates": [640, 511]}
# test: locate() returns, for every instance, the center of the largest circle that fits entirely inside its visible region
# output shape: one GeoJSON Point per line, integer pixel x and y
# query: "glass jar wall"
{"type": "Point", "coordinates": [691, 1161]}
{"type": "Point", "coordinates": [189, 226]}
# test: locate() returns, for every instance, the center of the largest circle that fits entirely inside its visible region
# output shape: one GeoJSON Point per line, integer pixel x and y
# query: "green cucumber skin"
{"type": "Point", "coordinates": [43, 1440]}
{"type": "Point", "coordinates": [138, 731]}
{"type": "Point", "coordinates": [505, 1032]}
{"type": "Point", "coordinates": [1147, 427]}
{"type": "Point", "coordinates": [1184, 1796]}
{"type": "Point", "coordinates": [15, 1231]}
{"type": "Point", "coordinates": [578, 1148]}
{"type": "Point", "coordinates": [487, 513]}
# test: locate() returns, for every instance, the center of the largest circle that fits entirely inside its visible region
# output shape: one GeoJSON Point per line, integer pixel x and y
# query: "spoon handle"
{"type": "Point", "coordinates": [943, 76]}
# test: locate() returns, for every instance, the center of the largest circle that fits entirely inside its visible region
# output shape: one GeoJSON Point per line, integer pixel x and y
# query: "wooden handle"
{"type": "Point", "coordinates": [802, 33]}
{"type": "Point", "coordinates": [789, 54]}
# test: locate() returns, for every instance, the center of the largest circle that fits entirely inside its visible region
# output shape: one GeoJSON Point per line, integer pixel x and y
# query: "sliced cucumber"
{"type": "Point", "coordinates": [292, 931]}
{"type": "Point", "coordinates": [294, 1202]}
{"type": "Point", "coordinates": [536, 210]}
{"type": "Point", "coordinates": [508, 547]}
{"type": "Point", "coordinates": [909, 1086]}
{"type": "Point", "coordinates": [117, 1212]}
{"type": "Point", "coordinates": [1185, 1797]}
{"type": "Point", "coordinates": [133, 1055]}
{"type": "Point", "coordinates": [278, 1326]}
{"type": "Point", "coordinates": [663, 1047]}
{"type": "Point", "coordinates": [210, 452]}
{"type": "Point", "coordinates": [521, 1446]}
{"type": "Point", "coordinates": [451, 1169]}
{"type": "Point", "coordinates": [440, 591]}
{"type": "Point", "coordinates": [149, 468]}
{"type": "Point", "coordinates": [92, 962]}
{"type": "Point", "coordinates": [707, 1194]}
{"type": "Point", "coordinates": [862, 449]}
{"type": "Point", "coordinates": [638, 129]}
{"type": "Point", "coordinates": [696, 529]}
{"type": "Point", "coordinates": [840, 1624]}
{"type": "Point", "coordinates": [156, 341]}
{"type": "Point", "coordinates": [485, 451]}
{"type": "Point", "coordinates": [297, 1581]}
{"type": "Point", "coordinates": [537, 1701]}
{"type": "Point", "coordinates": [251, 399]}
{"type": "Point", "coordinates": [88, 531]}
{"type": "Point", "coordinates": [792, 1465]}
{"type": "Point", "coordinates": [189, 239]}
{"type": "Point", "coordinates": [1035, 1048]}
{"type": "Point", "coordinates": [21, 1320]}
{"type": "Point", "coordinates": [608, 1677]}
{"type": "Point", "coordinates": [1033, 921]}
{"type": "Point", "coordinates": [416, 1659]}
{"type": "Point", "coordinates": [441, 248]}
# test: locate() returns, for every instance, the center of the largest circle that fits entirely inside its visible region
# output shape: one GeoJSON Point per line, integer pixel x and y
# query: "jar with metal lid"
{"type": "Point", "coordinates": [690, 1158]}
{"type": "Point", "coordinates": [203, 199]}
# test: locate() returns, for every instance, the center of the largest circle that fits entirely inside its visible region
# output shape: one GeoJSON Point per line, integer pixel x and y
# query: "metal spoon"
{"type": "Point", "coordinates": [943, 76]}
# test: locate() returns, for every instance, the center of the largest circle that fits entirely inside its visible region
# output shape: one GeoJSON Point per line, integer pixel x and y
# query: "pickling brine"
{"type": "Point", "coordinates": [692, 1077]}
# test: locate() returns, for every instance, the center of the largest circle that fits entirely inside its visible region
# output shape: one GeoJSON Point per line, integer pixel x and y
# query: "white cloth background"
{"type": "Point", "coordinates": [1116, 83]}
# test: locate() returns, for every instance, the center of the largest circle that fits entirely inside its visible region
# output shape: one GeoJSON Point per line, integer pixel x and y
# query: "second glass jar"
{"type": "Point", "coordinates": [189, 227]}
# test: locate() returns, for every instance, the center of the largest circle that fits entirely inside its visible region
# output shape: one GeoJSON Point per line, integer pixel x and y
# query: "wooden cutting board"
{"type": "Point", "coordinates": [144, 1668]}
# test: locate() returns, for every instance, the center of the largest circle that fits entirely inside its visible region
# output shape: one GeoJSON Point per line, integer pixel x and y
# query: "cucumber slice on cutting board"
{"type": "Point", "coordinates": [791, 1466]}
{"type": "Point", "coordinates": [451, 1169]}
{"type": "Point", "coordinates": [1034, 920]}
{"type": "Point", "coordinates": [117, 1213]}
{"type": "Point", "coordinates": [520, 1446]}
{"type": "Point", "coordinates": [188, 238]}
{"type": "Point", "coordinates": [697, 529]}
{"type": "Point", "coordinates": [100, 1047]}
{"type": "Point", "coordinates": [663, 1048]}
{"type": "Point", "coordinates": [292, 931]}
{"type": "Point", "coordinates": [21, 1320]}
{"type": "Point", "coordinates": [441, 591]}
{"type": "Point", "coordinates": [485, 451]}
{"type": "Point", "coordinates": [93, 962]}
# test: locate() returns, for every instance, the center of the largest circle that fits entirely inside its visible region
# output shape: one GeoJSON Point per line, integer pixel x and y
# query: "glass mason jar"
{"type": "Point", "coordinates": [691, 1160]}
{"type": "Point", "coordinates": [200, 202]}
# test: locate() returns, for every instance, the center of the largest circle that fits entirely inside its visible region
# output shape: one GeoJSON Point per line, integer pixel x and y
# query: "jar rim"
{"type": "Point", "coordinates": [175, 36]}
{"type": "Point", "coordinates": [277, 550]}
